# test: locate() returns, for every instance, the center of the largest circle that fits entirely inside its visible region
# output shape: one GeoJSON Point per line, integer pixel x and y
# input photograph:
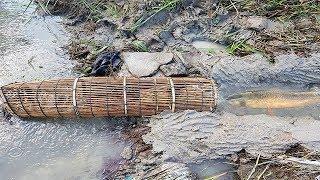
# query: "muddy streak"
{"type": "Point", "coordinates": [30, 49]}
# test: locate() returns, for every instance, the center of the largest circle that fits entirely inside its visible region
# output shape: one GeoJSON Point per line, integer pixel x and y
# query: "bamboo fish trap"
{"type": "Point", "coordinates": [107, 96]}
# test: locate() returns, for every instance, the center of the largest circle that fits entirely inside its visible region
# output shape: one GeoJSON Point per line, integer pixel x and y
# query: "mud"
{"type": "Point", "coordinates": [31, 48]}
{"type": "Point", "coordinates": [189, 135]}
{"type": "Point", "coordinates": [255, 72]}
{"type": "Point", "coordinates": [242, 46]}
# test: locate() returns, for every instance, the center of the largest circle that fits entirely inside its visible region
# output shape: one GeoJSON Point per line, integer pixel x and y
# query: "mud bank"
{"type": "Point", "coordinates": [189, 135]}
{"type": "Point", "coordinates": [242, 46]}
{"type": "Point", "coordinates": [176, 25]}
{"type": "Point", "coordinates": [255, 72]}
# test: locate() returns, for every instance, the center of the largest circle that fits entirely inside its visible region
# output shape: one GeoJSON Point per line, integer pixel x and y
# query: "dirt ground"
{"type": "Point", "coordinates": [237, 27]}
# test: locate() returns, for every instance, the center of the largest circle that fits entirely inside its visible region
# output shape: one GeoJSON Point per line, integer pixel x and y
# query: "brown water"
{"type": "Point", "coordinates": [31, 49]}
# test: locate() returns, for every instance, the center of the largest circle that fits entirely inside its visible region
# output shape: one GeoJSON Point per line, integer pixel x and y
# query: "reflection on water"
{"type": "Point", "coordinates": [30, 46]}
{"type": "Point", "coordinates": [214, 169]}
{"type": "Point", "coordinates": [57, 149]}
{"type": "Point", "coordinates": [275, 102]}
{"type": "Point", "coordinates": [30, 49]}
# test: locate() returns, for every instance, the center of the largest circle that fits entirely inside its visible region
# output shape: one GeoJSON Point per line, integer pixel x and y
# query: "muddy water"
{"type": "Point", "coordinates": [213, 169]}
{"type": "Point", "coordinates": [290, 73]}
{"type": "Point", "coordinates": [31, 49]}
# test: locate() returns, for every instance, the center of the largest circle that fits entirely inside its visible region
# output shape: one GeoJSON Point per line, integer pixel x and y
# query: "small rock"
{"type": "Point", "coordinates": [210, 48]}
{"type": "Point", "coordinates": [166, 36]}
{"type": "Point", "coordinates": [142, 64]}
{"type": "Point", "coordinates": [244, 160]}
{"type": "Point", "coordinates": [257, 23]}
{"type": "Point", "coordinates": [74, 21]}
{"type": "Point", "coordinates": [156, 45]}
{"type": "Point", "coordinates": [127, 153]}
{"type": "Point", "coordinates": [242, 34]}
{"type": "Point", "coordinates": [234, 158]}
{"type": "Point", "coordinates": [104, 35]}
{"type": "Point", "coordinates": [138, 160]}
{"type": "Point", "coordinates": [174, 69]}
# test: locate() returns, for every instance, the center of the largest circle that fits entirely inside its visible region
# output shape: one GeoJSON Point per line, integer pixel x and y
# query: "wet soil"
{"type": "Point", "coordinates": [32, 48]}
{"type": "Point", "coordinates": [243, 46]}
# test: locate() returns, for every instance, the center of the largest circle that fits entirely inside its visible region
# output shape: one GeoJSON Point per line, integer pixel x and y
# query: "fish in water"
{"type": "Point", "coordinates": [274, 99]}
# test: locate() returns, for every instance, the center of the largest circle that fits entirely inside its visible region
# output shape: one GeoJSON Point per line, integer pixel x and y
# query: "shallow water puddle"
{"type": "Point", "coordinates": [274, 102]}
{"type": "Point", "coordinates": [214, 169]}
{"type": "Point", "coordinates": [30, 49]}
{"type": "Point", "coordinates": [30, 46]}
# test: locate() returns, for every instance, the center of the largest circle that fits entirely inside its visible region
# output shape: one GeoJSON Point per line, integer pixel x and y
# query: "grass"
{"type": "Point", "coordinates": [99, 9]}
{"type": "Point", "coordinates": [43, 6]}
{"type": "Point", "coordinates": [93, 7]}
{"type": "Point", "coordinates": [240, 48]}
{"type": "Point", "coordinates": [295, 37]}
{"type": "Point", "coordinates": [281, 9]}
{"type": "Point", "coordinates": [209, 51]}
{"type": "Point", "coordinates": [113, 10]}
{"type": "Point", "coordinates": [140, 46]}
{"type": "Point", "coordinates": [163, 5]}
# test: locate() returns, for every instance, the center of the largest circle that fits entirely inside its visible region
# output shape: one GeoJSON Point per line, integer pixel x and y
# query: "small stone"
{"type": "Point", "coordinates": [210, 48]}
{"type": "Point", "coordinates": [234, 157]}
{"type": "Point", "coordinates": [244, 160]}
{"type": "Point", "coordinates": [127, 153]}
{"type": "Point", "coordinates": [257, 23]}
{"type": "Point", "coordinates": [166, 36]}
{"type": "Point", "coordinates": [142, 64]}
{"type": "Point", "coordinates": [174, 69]}
{"type": "Point", "coordinates": [137, 160]}
{"type": "Point", "coordinates": [243, 34]}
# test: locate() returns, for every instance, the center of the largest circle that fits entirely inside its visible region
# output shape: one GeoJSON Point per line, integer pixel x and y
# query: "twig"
{"type": "Point", "coordinates": [217, 176]}
{"type": "Point", "coordinates": [30, 62]}
{"type": "Point", "coordinates": [30, 2]}
{"type": "Point", "coordinates": [299, 161]}
{"type": "Point", "coordinates": [254, 167]}
{"type": "Point", "coordinates": [234, 6]}
{"type": "Point", "coordinates": [265, 169]}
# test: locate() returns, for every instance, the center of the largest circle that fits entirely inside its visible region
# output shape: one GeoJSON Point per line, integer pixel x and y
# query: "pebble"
{"type": "Point", "coordinates": [174, 69]}
{"type": "Point", "coordinates": [257, 23]}
{"type": "Point", "coordinates": [143, 64]}
{"type": "Point", "coordinates": [127, 153]}
{"type": "Point", "coordinates": [210, 48]}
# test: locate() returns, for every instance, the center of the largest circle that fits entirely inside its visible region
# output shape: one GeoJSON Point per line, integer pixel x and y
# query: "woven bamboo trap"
{"type": "Point", "coordinates": [107, 96]}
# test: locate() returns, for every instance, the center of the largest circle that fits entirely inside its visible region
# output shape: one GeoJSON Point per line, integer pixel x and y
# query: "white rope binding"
{"type": "Point", "coordinates": [173, 93]}
{"type": "Point", "coordinates": [125, 95]}
{"type": "Point", "coordinates": [74, 100]}
{"type": "Point", "coordinates": [156, 95]}
{"type": "Point", "coordinates": [214, 94]}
